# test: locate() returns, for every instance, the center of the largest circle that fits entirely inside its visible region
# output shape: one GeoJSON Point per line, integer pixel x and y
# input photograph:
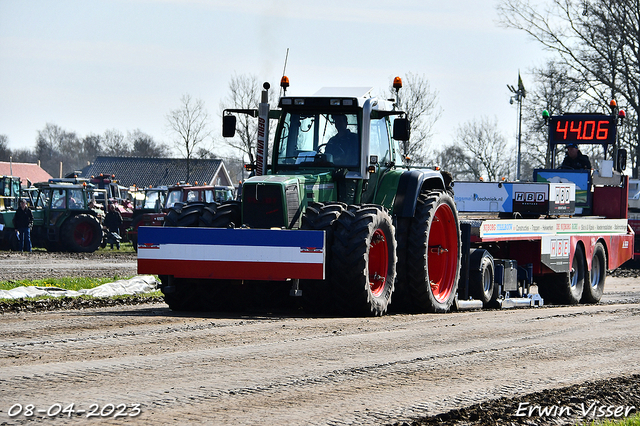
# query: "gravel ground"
{"type": "Point", "coordinates": [613, 392]}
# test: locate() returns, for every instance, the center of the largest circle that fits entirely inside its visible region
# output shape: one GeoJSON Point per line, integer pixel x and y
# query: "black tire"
{"type": "Point", "coordinates": [205, 295]}
{"type": "Point", "coordinates": [482, 284]}
{"type": "Point", "coordinates": [81, 234]}
{"type": "Point", "coordinates": [208, 213]}
{"type": "Point", "coordinates": [171, 218]}
{"type": "Point", "coordinates": [594, 284]}
{"type": "Point", "coordinates": [363, 261]}
{"type": "Point", "coordinates": [228, 214]}
{"type": "Point", "coordinates": [565, 288]}
{"type": "Point", "coordinates": [316, 294]}
{"type": "Point", "coordinates": [433, 254]}
{"type": "Point", "coordinates": [190, 215]}
{"type": "Point", "coordinates": [183, 296]}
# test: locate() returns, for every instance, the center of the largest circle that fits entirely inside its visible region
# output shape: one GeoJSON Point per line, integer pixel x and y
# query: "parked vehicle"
{"type": "Point", "coordinates": [63, 219]}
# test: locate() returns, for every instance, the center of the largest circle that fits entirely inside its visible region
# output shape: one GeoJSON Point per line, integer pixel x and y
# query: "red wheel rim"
{"type": "Point", "coordinates": [378, 262]}
{"type": "Point", "coordinates": [83, 234]}
{"type": "Point", "coordinates": [443, 253]}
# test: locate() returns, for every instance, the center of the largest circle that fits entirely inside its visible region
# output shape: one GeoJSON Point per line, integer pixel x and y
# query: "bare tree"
{"type": "Point", "coordinates": [421, 106]}
{"type": "Point", "coordinates": [488, 152]}
{"type": "Point", "coordinates": [457, 161]}
{"type": "Point", "coordinates": [5, 152]}
{"type": "Point", "coordinates": [599, 40]}
{"type": "Point", "coordinates": [56, 145]}
{"type": "Point", "coordinates": [113, 143]}
{"type": "Point", "coordinates": [143, 145]}
{"type": "Point", "coordinates": [556, 89]}
{"type": "Point", "coordinates": [244, 93]}
{"type": "Point", "coordinates": [190, 126]}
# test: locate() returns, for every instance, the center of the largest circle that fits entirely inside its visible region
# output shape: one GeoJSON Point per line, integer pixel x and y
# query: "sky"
{"type": "Point", "coordinates": [94, 65]}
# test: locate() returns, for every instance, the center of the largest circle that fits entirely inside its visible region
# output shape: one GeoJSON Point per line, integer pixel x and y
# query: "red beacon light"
{"type": "Point", "coordinates": [621, 115]}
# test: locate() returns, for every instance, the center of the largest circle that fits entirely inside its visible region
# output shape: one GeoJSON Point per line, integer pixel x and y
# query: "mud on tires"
{"type": "Point", "coordinates": [364, 257]}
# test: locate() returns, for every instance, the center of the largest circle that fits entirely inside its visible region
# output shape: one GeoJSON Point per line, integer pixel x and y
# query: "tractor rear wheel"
{"type": "Point", "coordinates": [316, 294]}
{"type": "Point", "coordinates": [221, 215]}
{"type": "Point", "coordinates": [81, 234]}
{"type": "Point", "coordinates": [363, 261]}
{"type": "Point", "coordinates": [433, 254]}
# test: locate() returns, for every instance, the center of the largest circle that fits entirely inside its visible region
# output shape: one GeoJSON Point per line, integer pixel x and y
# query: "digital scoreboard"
{"type": "Point", "coordinates": [582, 129]}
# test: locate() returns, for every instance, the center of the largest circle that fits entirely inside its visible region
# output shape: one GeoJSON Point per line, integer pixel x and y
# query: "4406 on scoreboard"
{"type": "Point", "coordinates": [341, 222]}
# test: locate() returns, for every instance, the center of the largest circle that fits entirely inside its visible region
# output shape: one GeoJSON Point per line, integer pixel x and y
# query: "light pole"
{"type": "Point", "coordinates": [518, 95]}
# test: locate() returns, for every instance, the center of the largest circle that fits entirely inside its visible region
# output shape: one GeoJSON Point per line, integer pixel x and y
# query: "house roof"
{"type": "Point", "coordinates": [145, 171]}
{"type": "Point", "coordinates": [24, 171]}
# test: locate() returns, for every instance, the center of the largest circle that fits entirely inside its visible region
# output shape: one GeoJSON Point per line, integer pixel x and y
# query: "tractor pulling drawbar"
{"type": "Point", "coordinates": [356, 231]}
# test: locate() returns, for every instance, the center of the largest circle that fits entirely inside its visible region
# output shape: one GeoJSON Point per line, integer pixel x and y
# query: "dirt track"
{"type": "Point", "coordinates": [289, 369]}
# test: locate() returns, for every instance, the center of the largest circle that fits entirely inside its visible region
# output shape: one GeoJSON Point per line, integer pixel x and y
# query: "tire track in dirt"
{"type": "Point", "coordinates": [325, 370]}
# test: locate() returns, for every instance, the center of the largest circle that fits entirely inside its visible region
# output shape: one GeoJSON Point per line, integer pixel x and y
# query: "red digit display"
{"type": "Point", "coordinates": [583, 129]}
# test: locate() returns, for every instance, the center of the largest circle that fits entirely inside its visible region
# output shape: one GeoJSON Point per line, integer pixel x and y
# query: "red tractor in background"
{"type": "Point", "coordinates": [178, 194]}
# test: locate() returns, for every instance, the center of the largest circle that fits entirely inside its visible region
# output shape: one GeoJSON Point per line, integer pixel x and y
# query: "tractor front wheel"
{"type": "Point", "coordinates": [363, 261]}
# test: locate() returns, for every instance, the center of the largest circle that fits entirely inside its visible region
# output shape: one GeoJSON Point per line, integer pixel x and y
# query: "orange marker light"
{"type": "Point", "coordinates": [397, 83]}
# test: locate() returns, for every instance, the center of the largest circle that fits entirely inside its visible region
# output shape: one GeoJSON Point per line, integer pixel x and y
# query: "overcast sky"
{"type": "Point", "coordinates": [90, 65]}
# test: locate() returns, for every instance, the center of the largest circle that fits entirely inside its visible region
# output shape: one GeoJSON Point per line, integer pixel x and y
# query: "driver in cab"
{"type": "Point", "coordinates": [343, 146]}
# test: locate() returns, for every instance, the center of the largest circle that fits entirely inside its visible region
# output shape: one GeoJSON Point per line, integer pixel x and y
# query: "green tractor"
{"type": "Point", "coordinates": [9, 198]}
{"type": "Point", "coordinates": [337, 191]}
{"type": "Point", "coordinates": [64, 219]}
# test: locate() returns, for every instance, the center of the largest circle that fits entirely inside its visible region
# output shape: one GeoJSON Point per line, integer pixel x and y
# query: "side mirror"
{"type": "Point", "coordinates": [401, 131]}
{"type": "Point", "coordinates": [621, 161]}
{"type": "Point", "coordinates": [228, 126]}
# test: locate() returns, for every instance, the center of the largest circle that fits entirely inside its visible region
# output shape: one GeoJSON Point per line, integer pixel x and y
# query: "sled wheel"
{"type": "Point", "coordinates": [565, 288]}
{"type": "Point", "coordinates": [363, 261]}
{"type": "Point", "coordinates": [594, 284]}
{"type": "Point", "coordinates": [482, 284]}
{"type": "Point", "coordinates": [433, 253]}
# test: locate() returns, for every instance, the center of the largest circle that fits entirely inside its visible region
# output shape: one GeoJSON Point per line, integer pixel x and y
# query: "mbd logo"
{"type": "Point", "coordinates": [530, 197]}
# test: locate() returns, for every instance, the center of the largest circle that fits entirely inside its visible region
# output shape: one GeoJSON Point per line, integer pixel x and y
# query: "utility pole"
{"type": "Point", "coordinates": [518, 95]}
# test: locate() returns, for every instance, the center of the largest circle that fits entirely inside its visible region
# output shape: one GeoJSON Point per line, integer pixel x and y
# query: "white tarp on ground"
{"type": "Point", "coordinates": [136, 285]}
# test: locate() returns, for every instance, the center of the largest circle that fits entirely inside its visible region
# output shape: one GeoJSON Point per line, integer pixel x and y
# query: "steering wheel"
{"type": "Point", "coordinates": [334, 147]}
{"type": "Point", "coordinates": [59, 203]}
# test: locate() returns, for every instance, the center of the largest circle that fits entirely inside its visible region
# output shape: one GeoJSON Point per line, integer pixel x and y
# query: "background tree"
{"type": "Point", "coordinates": [190, 126]}
{"type": "Point", "coordinates": [54, 145]}
{"type": "Point", "coordinates": [455, 160]}
{"type": "Point", "coordinates": [421, 106]}
{"type": "Point", "coordinates": [113, 143]}
{"type": "Point", "coordinates": [598, 40]}
{"type": "Point", "coordinates": [487, 154]}
{"type": "Point", "coordinates": [143, 145]}
{"type": "Point", "coordinates": [244, 93]}
{"type": "Point", "coordinates": [557, 89]}
{"type": "Point", "coordinates": [5, 151]}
